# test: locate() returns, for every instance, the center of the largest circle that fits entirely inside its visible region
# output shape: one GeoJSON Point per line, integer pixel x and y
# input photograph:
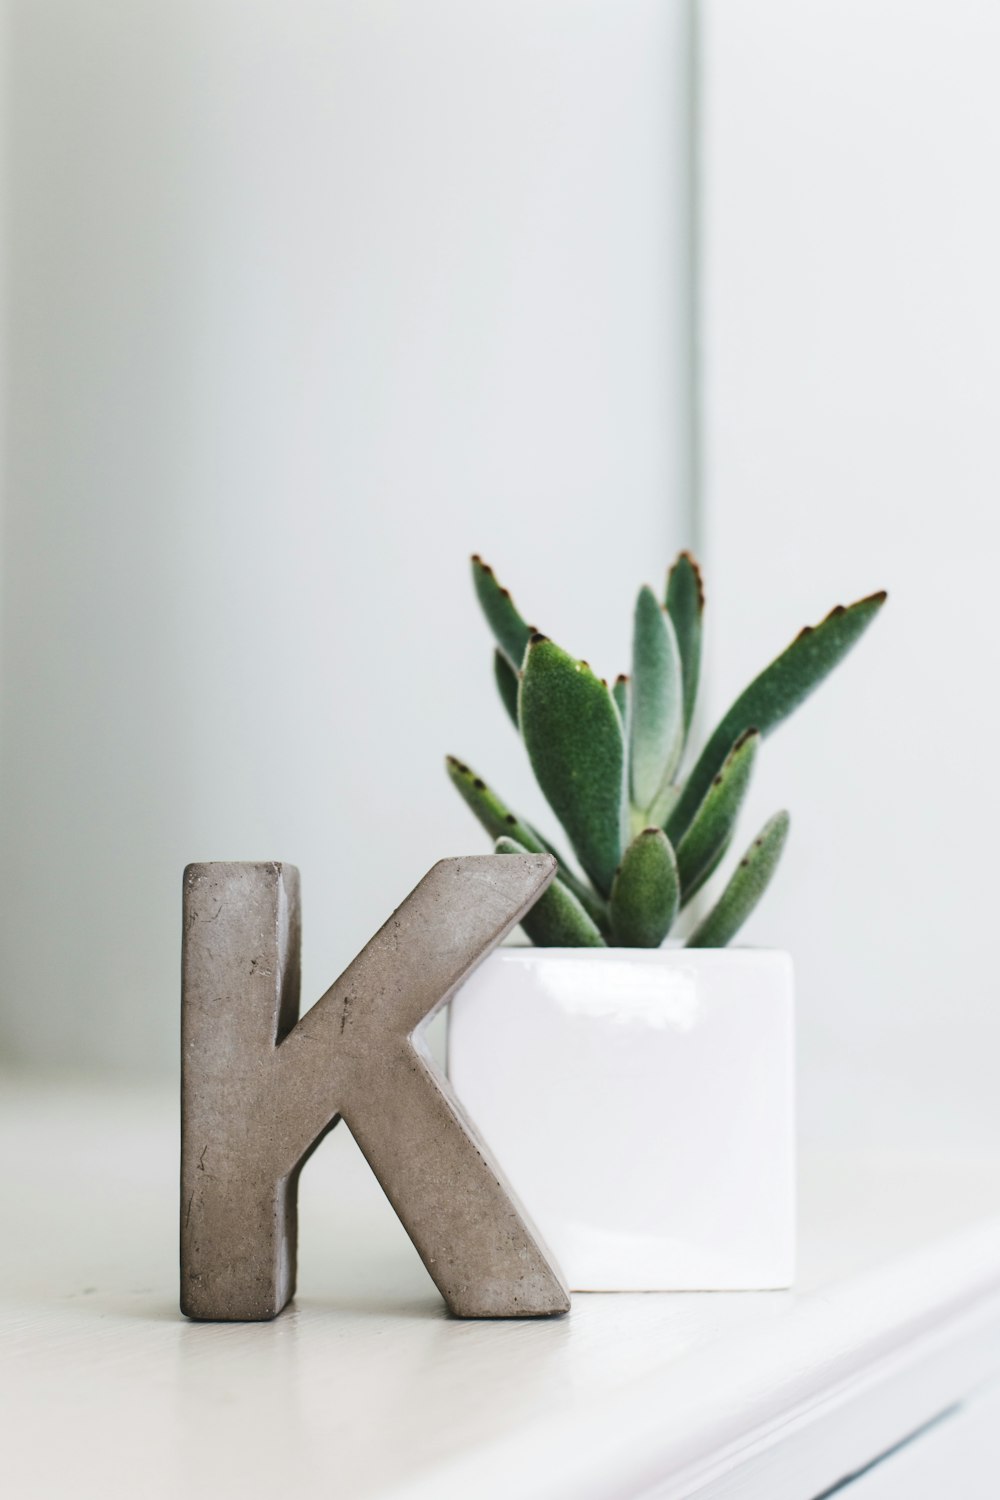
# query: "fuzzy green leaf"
{"type": "Point", "coordinates": [557, 920]}
{"type": "Point", "coordinates": [645, 895]}
{"type": "Point", "coordinates": [498, 820]}
{"type": "Point", "coordinates": [595, 907]}
{"type": "Point", "coordinates": [573, 734]}
{"type": "Point", "coordinates": [707, 840]}
{"type": "Point", "coordinates": [685, 599]}
{"type": "Point", "coordinates": [507, 684]}
{"type": "Point", "coordinates": [663, 805]}
{"type": "Point", "coordinates": [748, 884]}
{"type": "Point", "coordinates": [773, 695]}
{"type": "Point", "coordinates": [656, 729]}
{"type": "Point", "coordinates": [622, 694]}
{"type": "Point", "coordinates": [494, 814]}
{"type": "Point", "coordinates": [512, 634]}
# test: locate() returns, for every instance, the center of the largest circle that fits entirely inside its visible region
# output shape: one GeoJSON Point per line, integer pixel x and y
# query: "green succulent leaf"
{"type": "Point", "coordinates": [685, 599]}
{"type": "Point", "coordinates": [748, 884]}
{"type": "Point", "coordinates": [772, 696]}
{"type": "Point", "coordinates": [573, 734]}
{"type": "Point", "coordinates": [664, 804]}
{"type": "Point", "coordinates": [621, 693]}
{"type": "Point", "coordinates": [656, 728]}
{"type": "Point", "coordinates": [557, 919]}
{"type": "Point", "coordinates": [595, 907]}
{"type": "Point", "coordinates": [543, 841]}
{"type": "Point", "coordinates": [512, 634]}
{"type": "Point", "coordinates": [708, 838]}
{"type": "Point", "coordinates": [646, 892]}
{"type": "Point", "coordinates": [492, 812]}
{"type": "Point", "coordinates": [507, 684]}
{"type": "Point", "coordinates": [498, 820]}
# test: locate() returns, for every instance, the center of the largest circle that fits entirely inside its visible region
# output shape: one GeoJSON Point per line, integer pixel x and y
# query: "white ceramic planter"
{"type": "Point", "coordinates": [641, 1104]}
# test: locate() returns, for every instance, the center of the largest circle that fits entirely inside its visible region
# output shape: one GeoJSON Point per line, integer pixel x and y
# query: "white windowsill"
{"type": "Point", "coordinates": [365, 1388]}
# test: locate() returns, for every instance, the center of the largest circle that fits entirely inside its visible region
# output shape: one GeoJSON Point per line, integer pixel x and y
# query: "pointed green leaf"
{"type": "Point", "coordinates": [512, 634]}
{"type": "Point", "coordinates": [557, 920]}
{"type": "Point", "coordinates": [498, 820]}
{"type": "Point", "coordinates": [573, 734]}
{"type": "Point", "coordinates": [685, 600]}
{"type": "Point", "coordinates": [645, 895]}
{"type": "Point", "coordinates": [592, 903]}
{"type": "Point", "coordinates": [621, 693]}
{"type": "Point", "coordinates": [707, 840]}
{"type": "Point", "coordinates": [773, 695]}
{"type": "Point", "coordinates": [663, 804]}
{"type": "Point", "coordinates": [750, 881]}
{"type": "Point", "coordinates": [507, 684]}
{"type": "Point", "coordinates": [494, 814]}
{"type": "Point", "coordinates": [656, 728]}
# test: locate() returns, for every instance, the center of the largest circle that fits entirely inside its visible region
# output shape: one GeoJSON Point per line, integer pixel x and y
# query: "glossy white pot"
{"type": "Point", "coordinates": [641, 1105]}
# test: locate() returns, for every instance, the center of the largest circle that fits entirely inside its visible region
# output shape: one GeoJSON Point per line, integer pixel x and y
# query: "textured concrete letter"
{"type": "Point", "coordinates": [260, 1091]}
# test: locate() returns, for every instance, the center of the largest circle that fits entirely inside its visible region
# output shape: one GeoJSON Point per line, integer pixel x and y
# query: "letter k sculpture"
{"type": "Point", "coordinates": [260, 1088]}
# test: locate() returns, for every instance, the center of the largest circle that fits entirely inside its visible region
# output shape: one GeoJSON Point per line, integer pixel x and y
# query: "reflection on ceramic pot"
{"type": "Point", "coordinates": [641, 1105]}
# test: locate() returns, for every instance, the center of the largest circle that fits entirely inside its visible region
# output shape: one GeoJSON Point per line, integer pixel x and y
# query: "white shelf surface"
{"type": "Point", "coordinates": [365, 1387]}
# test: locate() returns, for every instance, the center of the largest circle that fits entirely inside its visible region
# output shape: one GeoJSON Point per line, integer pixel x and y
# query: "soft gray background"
{"type": "Point", "coordinates": [851, 388]}
{"type": "Point", "coordinates": [305, 302]}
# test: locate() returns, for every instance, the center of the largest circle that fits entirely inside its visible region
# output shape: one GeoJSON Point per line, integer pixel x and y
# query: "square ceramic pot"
{"type": "Point", "coordinates": [641, 1105]}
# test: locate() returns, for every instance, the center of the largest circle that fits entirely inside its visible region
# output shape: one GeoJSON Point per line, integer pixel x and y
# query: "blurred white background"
{"type": "Point", "coordinates": [305, 302]}
{"type": "Point", "coordinates": [850, 156]}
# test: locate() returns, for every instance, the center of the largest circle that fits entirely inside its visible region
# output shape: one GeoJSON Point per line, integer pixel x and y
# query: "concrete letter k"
{"type": "Point", "coordinates": [260, 1088]}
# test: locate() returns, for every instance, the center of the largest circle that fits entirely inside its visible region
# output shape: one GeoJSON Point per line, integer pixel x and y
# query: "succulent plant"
{"type": "Point", "coordinates": [609, 759]}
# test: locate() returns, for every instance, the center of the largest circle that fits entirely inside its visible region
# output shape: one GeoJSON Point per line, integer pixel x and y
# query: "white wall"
{"type": "Point", "coordinates": [307, 300]}
{"type": "Point", "coordinates": [851, 353]}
